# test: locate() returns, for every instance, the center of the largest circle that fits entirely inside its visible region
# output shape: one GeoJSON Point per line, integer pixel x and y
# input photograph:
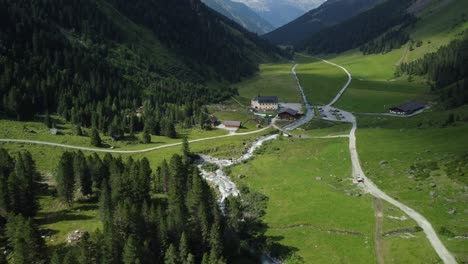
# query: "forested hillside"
{"type": "Point", "coordinates": [96, 62]}
{"type": "Point", "coordinates": [328, 14]}
{"type": "Point", "coordinates": [360, 29]}
{"type": "Point", "coordinates": [167, 216]}
{"type": "Point", "coordinates": [446, 69]}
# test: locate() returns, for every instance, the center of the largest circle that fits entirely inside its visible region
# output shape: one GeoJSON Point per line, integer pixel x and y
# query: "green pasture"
{"type": "Point", "coordinates": [272, 80]}
{"type": "Point", "coordinates": [308, 183]}
{"type": "Point", "coordinates": [432, 191]}
{"type": "Point", "coordinates": [321, 81]}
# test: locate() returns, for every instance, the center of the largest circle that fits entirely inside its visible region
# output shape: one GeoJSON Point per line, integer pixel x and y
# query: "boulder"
{"type": "Point", "coordinates": [452, 211]}
{"type": "Point", "coordinates": [383, 162]}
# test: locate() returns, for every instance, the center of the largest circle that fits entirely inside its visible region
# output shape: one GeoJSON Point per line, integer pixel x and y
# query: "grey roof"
{"type": "Point", "coordinates": [266, 99]}
{"type": "Point", "coordinates": [232, 123]}
{"type": "Point", "coordinates": [289, 111]}
{"type": "Point", "coordinates": [409, 107]}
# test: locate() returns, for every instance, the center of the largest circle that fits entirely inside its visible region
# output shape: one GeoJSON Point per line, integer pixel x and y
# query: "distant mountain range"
{"type": "Point", "coordinates": [241, 14]}
{"type": "Point", "coordinates": [328, 14]}
{"type": "Point", "coordinates": [280, 12]}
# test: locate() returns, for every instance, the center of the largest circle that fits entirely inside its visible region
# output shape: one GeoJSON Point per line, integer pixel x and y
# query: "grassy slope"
{"type": "Point", "coordinates": [320, 81]}
{"type": "Point", "coordinates": [273, 79]}
{"type": "Point", "coordinates": [286, 173]}
{"type": "Point", "coordinates": [404, 247]}
{"type": "Point", "coordinates": [374, 88]}
{"type": "Point", "coordinates": [402, 143]}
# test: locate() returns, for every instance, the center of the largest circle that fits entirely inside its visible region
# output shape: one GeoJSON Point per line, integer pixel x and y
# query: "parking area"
{"type": "Point", "coordinates": [334, 114]}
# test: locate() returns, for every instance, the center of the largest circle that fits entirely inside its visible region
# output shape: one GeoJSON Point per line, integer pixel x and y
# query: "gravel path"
{"type": "Point", "coordinates": [369, 186]}
{"type": "Point", "coordinates": [37, 142]}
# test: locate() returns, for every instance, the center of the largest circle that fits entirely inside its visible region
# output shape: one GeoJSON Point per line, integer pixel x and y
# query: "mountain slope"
{"type": "Point", "coordinates": [360, 29]}
{"type": "Point", "coordinates": [241, 14]}
{"type": "Point", "coordinates": [329, 13]}
{"type": "Point", "coordinates": [94, 61]}
{"type": "Point", "coordinates": [280, 12]}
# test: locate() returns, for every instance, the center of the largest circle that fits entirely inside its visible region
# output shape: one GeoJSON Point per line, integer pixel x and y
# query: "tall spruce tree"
{"type": "Point", "coordinates": [65, 178]}
{"type": "Point", "coordinates": [95, 138]}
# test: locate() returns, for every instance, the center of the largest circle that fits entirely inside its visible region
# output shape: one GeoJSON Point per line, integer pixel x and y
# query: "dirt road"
{"type": "Point", "coordinates": [371, 188]}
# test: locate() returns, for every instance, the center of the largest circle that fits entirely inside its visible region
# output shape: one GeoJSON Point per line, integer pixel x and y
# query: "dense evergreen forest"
{"type": "Point", "coordinates": [393, 39]}
{"type": "Point", "coordinates": [364, 28]}
{"type": "Point", "coordinates": [167, 216]}
{"type": "Point", "coordinates": [447, 69]}
{"type": "Point", "coordinates": [75, 58]}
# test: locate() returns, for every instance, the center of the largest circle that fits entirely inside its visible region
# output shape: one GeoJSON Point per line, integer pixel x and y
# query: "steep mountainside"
{"type": "Point", "coordinates": [360, 29]}
{"type": "Point", "coordinates": [329, 13]}
{"type": "Point", "coordinates": [93, 61]}
{"type": "Point", "coordinates": [241, 14]}
{"type": "Point", "coordinates": [280, 12]}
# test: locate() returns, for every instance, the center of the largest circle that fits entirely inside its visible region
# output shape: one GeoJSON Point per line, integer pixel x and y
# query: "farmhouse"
{"type": "Point", "coordinates": [232, 124]}
{"type": "Point", "coordinates": [288, 114]}
{"type": "Point", "coordinates": [407, 108]}
{"type": "Point", "coordinates": [265, 103]}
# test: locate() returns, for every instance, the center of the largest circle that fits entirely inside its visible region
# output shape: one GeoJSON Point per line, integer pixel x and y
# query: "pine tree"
{"type": "Point", "coordinates": [78, 131]}
{"type": "Point", "coordinates": [65, 178]}
{"type": "Point", "coordinates": [24, 239]}
{"type": "Point", "coordinates": [146, 138]}
{"type": "Point", "coordinates": [184, 250]}
{"type": "Point", "coordinates": [82, 174]}
{"type": "Point", "coordinates": [131, 253]}
{"type": "Point", "coordinates": [170, 130]}
{"type": "Point", "coordinates": [105, 204]}
{"type": "Point", "coordinates": [216, 244]}
{"type": "Point", "coordinates": [95, 138]}
{"type": "Point", "coordinates": [171, 255]}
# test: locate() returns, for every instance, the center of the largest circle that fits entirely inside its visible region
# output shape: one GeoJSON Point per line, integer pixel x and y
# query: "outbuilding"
{"type": "Point", "coordinates": [232, 124]}
{"type": "Point", "coordinates": [407, 108]}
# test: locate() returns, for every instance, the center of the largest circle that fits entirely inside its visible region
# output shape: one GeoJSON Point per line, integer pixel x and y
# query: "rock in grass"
{"type": "Point", "coordinates": [383, 162]}
{"type": "Point", "coordinates": [452, 211]}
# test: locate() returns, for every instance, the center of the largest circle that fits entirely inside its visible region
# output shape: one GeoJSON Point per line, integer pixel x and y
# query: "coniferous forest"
{"type": "Point", "coordinates": [170, 215]}
{"type": "Point", "coordinates": [360, 30]}
{"type": "Point", "coordinates": [447, 69]}
{"type": "Point", "coordinates": [75, 58]}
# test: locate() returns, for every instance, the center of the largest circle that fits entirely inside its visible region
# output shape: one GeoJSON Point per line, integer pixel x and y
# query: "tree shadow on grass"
{"type": "Point", "coordinates": [61, 216]}
{"type": "Point", "coordinates": [277, 250]}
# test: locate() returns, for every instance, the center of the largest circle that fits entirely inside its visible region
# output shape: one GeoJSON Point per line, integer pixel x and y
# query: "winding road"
{"type": "Point", "coordinates": [367, 185]}
{"type": "Point", "coordinates": [37, 142]}
{"type": "Point", "coordinates": [371, 188]}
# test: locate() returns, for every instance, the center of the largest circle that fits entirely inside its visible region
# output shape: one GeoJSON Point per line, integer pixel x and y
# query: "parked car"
{"type": "Point", "coordinates": [360, 179]}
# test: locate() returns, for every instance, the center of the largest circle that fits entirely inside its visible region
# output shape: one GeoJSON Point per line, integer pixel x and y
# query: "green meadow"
{"type": "Point", "coordinates": [321, 81]}
{"type": "Point", "coordinates": [415, 161]}
{"type": "Point", "coordinates": [313, 208]}
{"type": "Point", "coordinates": [272, 80]}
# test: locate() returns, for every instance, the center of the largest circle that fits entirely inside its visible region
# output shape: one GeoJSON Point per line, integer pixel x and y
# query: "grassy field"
{"type": "Point", "coordinates": [272, 80]}
{"type": "Point", "coordinates": [312, 199]}
{"type": "Point", "coordinates": [421, 153]}
{"type": "Point", "coordinates": [321, 128]}
{"type": "Point", "coordinates": [231, 111]}
{"type": "Point", "coordinates": [321, 81]}
{"type": "Point", "coordinates": [374, 87]}
{"type": "Point", "coordinates": [401, 242]}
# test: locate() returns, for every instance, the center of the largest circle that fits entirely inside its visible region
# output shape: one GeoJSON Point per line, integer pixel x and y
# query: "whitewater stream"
{"type": "Point", "coordinates": [218, 178]}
